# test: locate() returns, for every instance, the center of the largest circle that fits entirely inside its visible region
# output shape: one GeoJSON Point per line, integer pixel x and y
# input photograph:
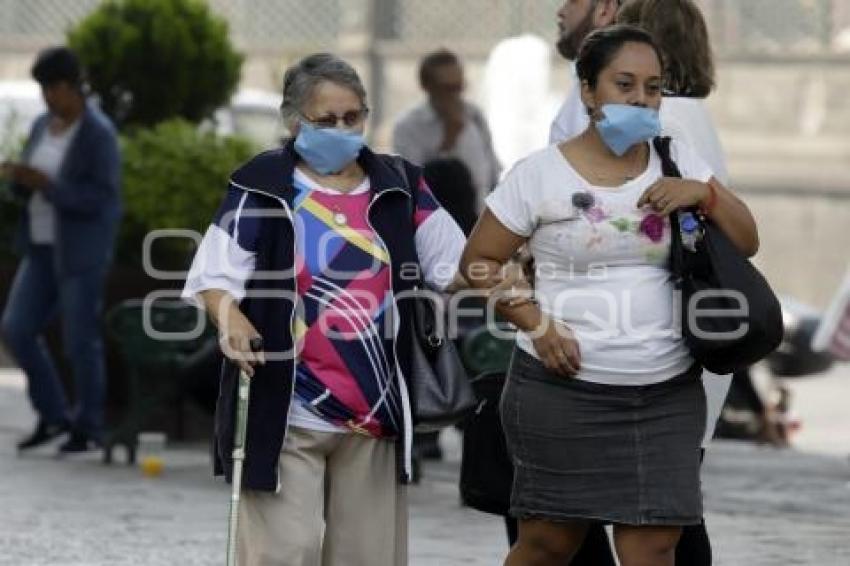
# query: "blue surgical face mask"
{"type": "Point", "coordinates": [327, 150]}
{"type": "Point", "coordinates": [624, 125]}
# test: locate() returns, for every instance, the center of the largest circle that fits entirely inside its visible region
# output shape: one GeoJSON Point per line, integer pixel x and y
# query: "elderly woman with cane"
{"type": "Point", "coordinates": [312, 248]}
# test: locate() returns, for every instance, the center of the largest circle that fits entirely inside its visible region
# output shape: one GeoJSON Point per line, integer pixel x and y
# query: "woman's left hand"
{"type": "Point", "coordinates": [671, 193]}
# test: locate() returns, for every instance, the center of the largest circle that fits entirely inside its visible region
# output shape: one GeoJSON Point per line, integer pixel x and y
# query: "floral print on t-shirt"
{"type": "Point", "coordinates": [623, 221]}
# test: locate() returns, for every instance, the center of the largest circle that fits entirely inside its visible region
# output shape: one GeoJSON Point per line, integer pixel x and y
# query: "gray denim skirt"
{"type": "Point", "coordinates": [620, 454]}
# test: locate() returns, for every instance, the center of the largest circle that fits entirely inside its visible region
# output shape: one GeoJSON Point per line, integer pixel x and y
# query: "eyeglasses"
{"type": "Point", "coordinates": [349, 119]}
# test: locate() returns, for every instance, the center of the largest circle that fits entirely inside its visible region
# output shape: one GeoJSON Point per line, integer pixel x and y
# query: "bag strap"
{"type": "Point", "coordinates": [668, 166]}
{"type": "Point", "coordinates": [676, 263]}
{"type": "Point", "coordinates": [424, 317]}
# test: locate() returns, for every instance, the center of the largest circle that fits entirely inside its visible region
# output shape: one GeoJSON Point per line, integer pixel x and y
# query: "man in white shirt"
{"type": "Point", "coordinates": [447, 126]}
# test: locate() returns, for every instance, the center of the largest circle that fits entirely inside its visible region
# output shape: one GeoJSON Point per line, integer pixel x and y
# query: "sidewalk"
{"type": "Point", "coordinates": [764, 508]}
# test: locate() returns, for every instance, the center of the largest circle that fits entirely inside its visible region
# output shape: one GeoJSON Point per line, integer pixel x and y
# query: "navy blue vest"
{"type": "Point", "coordinates": [270, 310]}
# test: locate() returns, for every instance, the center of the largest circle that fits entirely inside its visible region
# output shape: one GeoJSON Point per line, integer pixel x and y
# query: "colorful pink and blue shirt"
{"type": "Point", "coordinates": [345, 378]}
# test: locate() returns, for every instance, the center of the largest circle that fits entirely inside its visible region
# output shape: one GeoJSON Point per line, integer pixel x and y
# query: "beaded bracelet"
{"type": "Point", "coordinates": [707, 207]}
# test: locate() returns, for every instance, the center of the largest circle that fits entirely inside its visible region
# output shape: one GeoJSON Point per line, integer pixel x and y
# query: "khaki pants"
{"type": "Point", "coordinates": [340, 504]}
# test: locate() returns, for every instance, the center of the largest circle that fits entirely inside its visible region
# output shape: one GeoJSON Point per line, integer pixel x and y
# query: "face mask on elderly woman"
{"type": "Point", "coordinates": [327, 150]}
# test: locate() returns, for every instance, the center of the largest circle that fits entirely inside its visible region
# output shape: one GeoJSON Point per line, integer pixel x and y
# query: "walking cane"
{"type": "Point", "coordinates": [243, 396]}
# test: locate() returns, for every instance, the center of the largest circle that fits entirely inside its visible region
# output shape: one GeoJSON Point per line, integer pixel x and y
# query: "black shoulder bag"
{"type": "Point", "coordinates": [441, 392]}
{"type": "Point", "coordinates": [730, 316]}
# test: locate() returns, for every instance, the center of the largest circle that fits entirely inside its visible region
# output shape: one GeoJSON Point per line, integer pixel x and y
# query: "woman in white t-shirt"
{"type": "Point", "coordinates": [603, 411]}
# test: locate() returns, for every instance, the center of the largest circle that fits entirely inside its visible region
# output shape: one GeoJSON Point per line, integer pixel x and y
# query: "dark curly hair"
{"type": "Point", "coordinates": [681, 32]}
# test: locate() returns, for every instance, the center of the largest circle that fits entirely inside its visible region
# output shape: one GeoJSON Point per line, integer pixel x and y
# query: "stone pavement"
{"type": "Point", "coordinates": [764, 508]}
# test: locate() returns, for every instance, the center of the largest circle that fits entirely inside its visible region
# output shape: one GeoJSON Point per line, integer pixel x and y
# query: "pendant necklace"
{"type": "Point", "coordinates": [339, 217]}
{"type": "Point", "coordinates": [632, 173]}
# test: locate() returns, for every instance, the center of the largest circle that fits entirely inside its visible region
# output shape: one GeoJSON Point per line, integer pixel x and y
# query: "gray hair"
{"type": "Point", "coordinates": [302, 78]}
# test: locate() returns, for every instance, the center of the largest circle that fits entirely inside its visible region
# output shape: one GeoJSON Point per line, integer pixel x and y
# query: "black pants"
{"type": "Point", "coordinates": [694, 548]}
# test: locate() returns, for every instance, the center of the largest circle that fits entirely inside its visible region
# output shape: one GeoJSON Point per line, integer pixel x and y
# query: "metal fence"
{"type": "Point", "coordinates": [25, 24]}
{"type": "Point", "coordinates": [283, 26]}
{"type": "Point", "coordinates": [486, 21]}
{"type": "Point", "coordinates": [778, 26]}
{"type": "Point", "coordinates": [255, 25]}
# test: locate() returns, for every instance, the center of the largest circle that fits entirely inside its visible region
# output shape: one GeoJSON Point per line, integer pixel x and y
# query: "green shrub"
{"type": "Point", "coordinates": [152, 60]}
{"type": "Point", "coordinates": [174, 177]}
{"type": "Point", "coordinates": [11, 145]}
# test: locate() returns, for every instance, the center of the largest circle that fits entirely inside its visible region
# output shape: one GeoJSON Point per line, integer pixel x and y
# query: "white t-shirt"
{"type": "Point", "coordinates": [47, 156]}
{"type": "Point", "coordinates": [601, 269]}
{"type": "Point", "coordinates": [687, 120]}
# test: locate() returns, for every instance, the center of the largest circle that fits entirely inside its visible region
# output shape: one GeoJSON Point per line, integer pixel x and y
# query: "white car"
{"type": "Point", "coordinates": [255, 115]}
